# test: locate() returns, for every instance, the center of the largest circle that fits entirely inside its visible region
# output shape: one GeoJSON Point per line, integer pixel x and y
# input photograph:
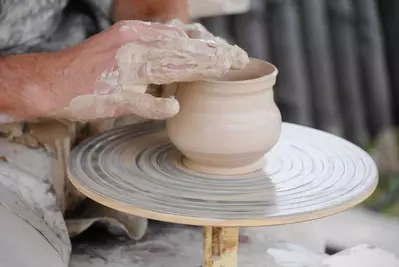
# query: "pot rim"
{"type": "Point", "coordinates": [270, 76]}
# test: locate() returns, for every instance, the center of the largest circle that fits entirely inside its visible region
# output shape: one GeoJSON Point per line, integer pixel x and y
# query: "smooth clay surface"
{"type": "Point", "coordinates": [225, 126]}
{"type": "Point", "coordinates": [137, 170]}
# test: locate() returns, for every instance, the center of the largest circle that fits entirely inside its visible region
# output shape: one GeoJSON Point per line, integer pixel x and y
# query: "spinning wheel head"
{"type": "Point", "coordinates": [309, 174]}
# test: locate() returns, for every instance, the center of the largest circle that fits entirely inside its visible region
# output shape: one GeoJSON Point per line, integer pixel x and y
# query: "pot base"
{"type": "Point", "coordinates": [253, 167]}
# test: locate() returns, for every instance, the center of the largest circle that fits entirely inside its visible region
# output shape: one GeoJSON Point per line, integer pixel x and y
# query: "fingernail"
{"type": "Point", "coordinates": [169, 107]}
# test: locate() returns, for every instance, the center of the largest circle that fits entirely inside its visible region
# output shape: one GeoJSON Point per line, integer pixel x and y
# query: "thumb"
{"type": "Point", "coordinates": [148, 106]}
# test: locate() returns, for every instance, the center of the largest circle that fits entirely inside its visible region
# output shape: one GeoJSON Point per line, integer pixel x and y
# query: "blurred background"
{"type": "Point", "coordinates": [338, 64]}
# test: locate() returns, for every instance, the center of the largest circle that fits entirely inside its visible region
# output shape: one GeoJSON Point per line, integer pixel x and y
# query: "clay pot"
{"type": "Point", "coordinates": [226, 126]}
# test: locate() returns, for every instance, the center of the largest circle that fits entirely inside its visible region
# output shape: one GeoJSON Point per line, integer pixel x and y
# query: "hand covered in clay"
{"type": "Point", "coordinates": [108, 74]}
{"type": "Point", "coordinates": [196, 31]}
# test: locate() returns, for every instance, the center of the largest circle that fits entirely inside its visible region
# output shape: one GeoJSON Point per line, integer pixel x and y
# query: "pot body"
{"type": "Point", "coordinates": [227, 124]}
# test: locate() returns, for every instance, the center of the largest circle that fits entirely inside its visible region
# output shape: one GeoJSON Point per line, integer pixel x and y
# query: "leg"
{"type": "Point", "coordinates": [27, 200]}
{"type": "Point", "coordinates": [21, 245]}
{"type": "Point", "coordinates": [220, 247]}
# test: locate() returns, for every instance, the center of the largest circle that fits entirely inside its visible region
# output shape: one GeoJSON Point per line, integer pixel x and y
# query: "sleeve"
{"type": "Point", "coordinates": [24, 23]}
{"type": "Point", "coordinates": [101, 10]}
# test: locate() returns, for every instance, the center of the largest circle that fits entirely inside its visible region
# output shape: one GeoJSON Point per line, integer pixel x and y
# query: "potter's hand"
{"type": "Point", "coordinates": [107, 75]}
{"type": "Point", "coordinates": [195, 31]}
{"type": "Point", "coordinates": [199, 32]}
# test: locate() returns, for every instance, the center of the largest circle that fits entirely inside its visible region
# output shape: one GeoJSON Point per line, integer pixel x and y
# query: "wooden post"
{"type": "Point", "coordinates": [220, 247]}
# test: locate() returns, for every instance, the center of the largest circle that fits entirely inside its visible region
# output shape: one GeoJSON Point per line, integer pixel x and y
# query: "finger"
{"type": "Point", "coordinates": [193, 30]}
{"type": "Point", "coordinates": [148, 106]}
{"type": "Point", "coordinates": [167, 61]}
{"type": "Point", "coordinates": [92, 107]}
{"type": "Point", "coordinates": [130, 31]}
{"type": "Point", "coordinates": [187, 60]}
{"type": "Point", "coordinates": [198, 31]}
{"type": "Point", "coordinates": [124, 32]}
{"type": "Point", "coordinates": [88, 107]}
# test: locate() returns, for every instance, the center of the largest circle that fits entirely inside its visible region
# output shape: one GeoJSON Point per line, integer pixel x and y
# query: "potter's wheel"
{"type": "Point", "coordinates": [309, 174]}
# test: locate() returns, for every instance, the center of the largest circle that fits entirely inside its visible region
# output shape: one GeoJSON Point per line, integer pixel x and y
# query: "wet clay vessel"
{"type": "Point", "coordinates": [226, 126]}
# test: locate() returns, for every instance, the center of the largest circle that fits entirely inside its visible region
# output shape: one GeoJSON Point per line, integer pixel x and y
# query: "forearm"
{"type": "Point", "coordinates": [22, 86]}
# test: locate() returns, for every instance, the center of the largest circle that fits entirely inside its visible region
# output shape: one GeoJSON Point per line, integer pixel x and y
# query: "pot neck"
{"type": "Point", "coordinates": [229, 88]}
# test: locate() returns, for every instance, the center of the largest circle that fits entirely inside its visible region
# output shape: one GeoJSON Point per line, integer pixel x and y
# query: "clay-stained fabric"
{"type": "Point", "coordinates": [49, 25]}
{"type": "Point", "coordinates": [35, 187]}
{"type": "Point", "coordinates": [26, 190]}
{"type": "Point", "coordinates": [22, 245]}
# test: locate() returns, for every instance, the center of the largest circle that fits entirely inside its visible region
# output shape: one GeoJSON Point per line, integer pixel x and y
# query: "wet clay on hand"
{"type": "Point", "coordinates": [113, 69]}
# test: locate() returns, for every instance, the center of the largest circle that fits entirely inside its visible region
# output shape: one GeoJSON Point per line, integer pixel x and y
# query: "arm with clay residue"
{"type": "Point", "coordinates": [107, 75]}
{"type": "Point", "coordinates": [21, 85]}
